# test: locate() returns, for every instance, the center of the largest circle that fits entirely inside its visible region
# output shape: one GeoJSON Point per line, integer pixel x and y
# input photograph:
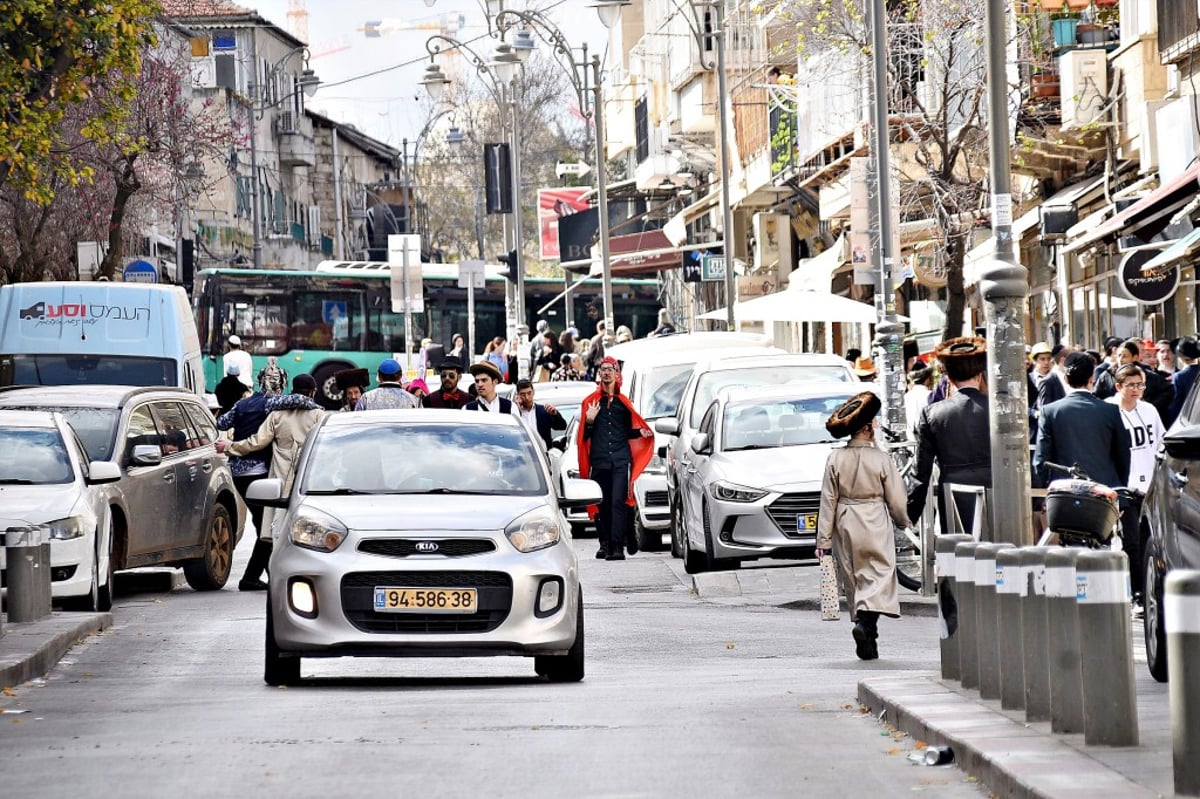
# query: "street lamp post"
{"type": "Point", "coordinates": [308, 83]}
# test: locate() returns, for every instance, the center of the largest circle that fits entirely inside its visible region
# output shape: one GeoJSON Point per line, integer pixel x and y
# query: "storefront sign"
{"type": "Point", "coordinates": [751, 286]}
{"type": "Point", "coordinates": [1148, 289]}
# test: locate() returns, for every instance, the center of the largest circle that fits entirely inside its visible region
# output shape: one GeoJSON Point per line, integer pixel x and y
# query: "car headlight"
{"type": "Point", "coordinates": [65, 529]}
{"type": "Point", "coordinates": [313, 530]}
{"type": "Point", "coordinates": [732, 492]}
{"type": "Point", "coordinates": [535, 530]}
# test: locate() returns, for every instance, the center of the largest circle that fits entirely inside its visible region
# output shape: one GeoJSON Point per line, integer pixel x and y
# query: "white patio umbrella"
{"type": "Point", "coordinates": [801, 306]}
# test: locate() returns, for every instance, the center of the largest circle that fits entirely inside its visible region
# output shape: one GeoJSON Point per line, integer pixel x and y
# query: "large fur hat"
{"type": "Point", "coordinates": [963, 357]}
{"type": "Point", "coordinates": [853, 415]}
{"type": "Point", "coordinates": [352, 377]}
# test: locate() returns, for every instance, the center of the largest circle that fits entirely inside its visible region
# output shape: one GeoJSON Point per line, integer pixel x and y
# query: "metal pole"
{"type": "Point", "coordinates": [1182, 611]}
{"type": "Point", "coordinates": [986, 619]}
{"type": "Point", "coordinates": [889, 333]}
{"type": "Point", "coordinates": [602, 198]}
{"type": "Point", "coordinates": [257, 251]}
{"type": "Point", "coordinates": [1010, 587]}
{"type": "Point", "coordinates": [723, 144]}
{"type": "Point", "coordinates": [340, 240]}
{"type": "Point", "coordinates": [407, 312]}
{"type": "Point", "coordinates": [1106, 650]}
{"type": "Point", "coordinates": [27, 571]}
{"type": "Point", "coordinates": [1004, 285]}
{"type": "Point", "coordinates": [964, 590]}
{"type": "Point", "coordinates": [1035, 644]}
{"type": "Point", "coordinates": [948, 620]}
{"type": "Point", "coordinates": [518, 228]}
{"type": "Point", "coordinates": [1062, 631]}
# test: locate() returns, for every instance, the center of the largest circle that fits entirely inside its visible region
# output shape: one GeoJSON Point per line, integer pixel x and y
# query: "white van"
{"type": "Point", "coordinates": [74, 333]}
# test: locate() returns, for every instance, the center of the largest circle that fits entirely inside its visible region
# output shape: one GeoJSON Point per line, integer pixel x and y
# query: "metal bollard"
{"type": "Point", "coordinates": [1182, 616]}
{"type": "Point", "coordinates": [1009, 638]}
{"type": "Point", "coordinates": [987, 624]}
{"type": "Point", "coordinates": [1035, 646]}
{"type": "Point", "coordinates": [1106, 650]}
{"type": "Point", "coordinates": [964, 589]}
{"type": "Point", "coordinates": [27, 573]}
{"type": "Point", "coordinates": [1062, 632]}
{"type": "Point", "coordinates": [948, 603]}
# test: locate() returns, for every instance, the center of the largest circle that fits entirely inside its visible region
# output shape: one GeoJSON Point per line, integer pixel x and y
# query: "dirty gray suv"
{"type": "Point", "coordinates": [175, 502]}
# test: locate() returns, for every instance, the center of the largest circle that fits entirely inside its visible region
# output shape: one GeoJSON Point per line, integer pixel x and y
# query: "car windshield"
{"type": "Point", "coordinates": [414, 458]}
{"type": "Point", "coordinates": [762, 424]}
{"type": "Point", "coordinates": [662, 389]}
{"type": "Point", "coordinates": [43, 458]}
{"type": "Point", "coordinates": [71, 370]}
{"type": "Point", "coordinates": [710, 384]}
{"type": "Point", "coordinates": [96, 427]}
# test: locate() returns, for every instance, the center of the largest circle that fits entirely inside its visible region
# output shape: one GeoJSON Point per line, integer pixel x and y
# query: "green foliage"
{"type": "Point", "coordinates": [56, 54]}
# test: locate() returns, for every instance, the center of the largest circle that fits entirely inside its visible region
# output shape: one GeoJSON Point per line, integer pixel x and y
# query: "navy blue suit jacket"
{"type": "Point", "coordinates": [1083, 429]}
{"type": "Point", "coordinates": [505, 406]}
{"type": "Point", "coordinates": [1182, 381]}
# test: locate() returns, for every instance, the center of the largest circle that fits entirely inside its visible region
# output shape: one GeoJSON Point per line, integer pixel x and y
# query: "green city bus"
{"type": "Point", "coordinates": [339, 316]}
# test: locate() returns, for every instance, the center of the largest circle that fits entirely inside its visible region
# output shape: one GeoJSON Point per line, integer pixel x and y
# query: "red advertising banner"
{"type": "Point", "coordinates": [553, 204]}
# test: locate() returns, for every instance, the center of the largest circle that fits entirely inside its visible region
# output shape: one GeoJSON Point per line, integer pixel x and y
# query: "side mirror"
{"type": "Point", "coordinates": [577, 493]}
{"type": "Point", "coordinates": [667, 426]}
{"type": "Point", "coordinates": [146, 455]}
{"type": "Point", "coordinates": [559, 444]}
{"type": "Point", "coordinates": [700, 443]}
{"type": "Point", "coordinates": [1183, 447]}
{"type": "Point", "coordinates": [268, 491]}
{"type": "Point", "coordinates": [100, 472]}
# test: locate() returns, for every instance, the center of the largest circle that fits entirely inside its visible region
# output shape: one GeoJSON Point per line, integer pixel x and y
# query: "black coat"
{"type": "Point", "coordinates": [954, 431]}
{"type": "Point", "coordinates": [548, 422]}
{"type": "Point", "coordinates": [506, 406]}
{"type": "Point", "coordinates": [1083, 429]}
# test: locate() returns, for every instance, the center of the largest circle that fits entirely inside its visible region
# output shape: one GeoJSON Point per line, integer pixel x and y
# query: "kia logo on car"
{"type": "Point", "coordinates": [427, 546]}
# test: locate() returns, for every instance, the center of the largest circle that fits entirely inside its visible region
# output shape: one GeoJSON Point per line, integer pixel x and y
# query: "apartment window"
{"type": "Point", "coordinates": [641, 122]}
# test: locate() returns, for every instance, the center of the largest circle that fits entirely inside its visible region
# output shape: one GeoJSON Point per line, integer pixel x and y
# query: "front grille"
{"type": "Point", "coordinates": [784, 510]}
{"type": "Point", "coordinates": [446, 547]}
{"type": "Point", "coordinates": [656, 498]}
{"type": "Point", "coordinates": [495, 601]}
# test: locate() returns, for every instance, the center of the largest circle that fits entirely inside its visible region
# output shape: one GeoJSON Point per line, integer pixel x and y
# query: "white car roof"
{"type": "Point", "coordinates": [27, 419]}
{"type": "Point", "coordinates": [418, 416]}
{"type": "Point", "coordinates": [736, 359]}
{"type": "Point", "coordinates": [702, 341]}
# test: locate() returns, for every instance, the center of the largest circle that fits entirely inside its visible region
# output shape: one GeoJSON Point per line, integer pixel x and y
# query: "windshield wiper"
{"type": "Point", "coordinates": [752, 446]}
{"type": "Point", "coordinates": [339, 492]}
{"type": "Point", "coordinates": [444, 490]}
{"type": "Point", "coordinates": [16, 481]}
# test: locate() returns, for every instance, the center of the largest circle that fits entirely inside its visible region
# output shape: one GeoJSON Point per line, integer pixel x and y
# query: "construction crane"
{"type": "Point", "coordinates": [297, 25]}
{"type": "Point", "coordinates": [445, 24]}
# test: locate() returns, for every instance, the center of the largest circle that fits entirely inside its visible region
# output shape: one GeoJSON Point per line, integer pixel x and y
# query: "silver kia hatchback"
{"type": "Point", "coordinates": [423, 533]}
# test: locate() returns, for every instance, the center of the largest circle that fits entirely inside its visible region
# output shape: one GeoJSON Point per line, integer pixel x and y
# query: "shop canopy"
{"type": "Point", "coordinates": [800, 306]}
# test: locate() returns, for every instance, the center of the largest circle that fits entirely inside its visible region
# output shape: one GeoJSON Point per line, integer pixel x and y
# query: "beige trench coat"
{"type": "Point", "coordinates": [286, 431]}
{"type": "Point", "coordinates": [861, 495]}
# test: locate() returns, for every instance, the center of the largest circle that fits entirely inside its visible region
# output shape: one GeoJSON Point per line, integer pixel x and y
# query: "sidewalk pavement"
{"type": "Point", "coordinates": [30, 649]}
{"type": "Point", "coordinates": [997, 747]}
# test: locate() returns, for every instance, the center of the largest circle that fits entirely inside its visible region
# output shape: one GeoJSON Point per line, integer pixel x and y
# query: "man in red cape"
{"type": "Point", "coordinates": [615, 445]}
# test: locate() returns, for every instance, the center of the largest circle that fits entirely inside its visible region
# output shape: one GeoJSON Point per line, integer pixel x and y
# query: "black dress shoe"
{"type": "Point", "coordinates": [251, 585]}
{"type": "Point", "coordinates": [631, 545]}
{"type": "Point", "coordinates": [616, 556]}
{"type": "Point", "coordinates": [601, 554]}
{"type": "Point", "coordinates": [864, 643]}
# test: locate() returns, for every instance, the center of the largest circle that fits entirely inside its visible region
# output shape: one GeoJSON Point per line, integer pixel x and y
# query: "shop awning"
{"type": "Point", "coordinates": [676, 227]}
{"type": "Point", "coordinates": [1152, 213]}
{"type": "Point", "coordinates": [1179, 250]}
{"type": "Point", "coordinates": [800, 306]}
{"type": "Point", "coordinates": [816, 274]}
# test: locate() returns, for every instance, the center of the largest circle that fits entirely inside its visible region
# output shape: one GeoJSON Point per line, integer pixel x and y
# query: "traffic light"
{"type": "Point", "coordinates": [509, 259]}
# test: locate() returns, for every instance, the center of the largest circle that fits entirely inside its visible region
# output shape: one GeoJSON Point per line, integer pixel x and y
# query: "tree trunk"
{"type": "Point", "coordinates": [127, 184]}
{"type": "Point", "coordinates": [956, 295]}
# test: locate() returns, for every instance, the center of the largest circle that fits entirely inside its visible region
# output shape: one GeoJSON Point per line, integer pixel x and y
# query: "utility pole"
{"type": "Point", "coordinates": [723, 142]}
{"type": "Point", "coordinates": [1004, 285]}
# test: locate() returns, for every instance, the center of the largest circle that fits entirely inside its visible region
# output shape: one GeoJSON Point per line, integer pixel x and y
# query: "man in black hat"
{"type": "Point", "coordinates": [955, 432]}
{"type": "Point", "coordinates": [1082, 430]}
{"type": "Point", "coordinates": [1187, 352]}
{"type": "Point", "coordinates": [448, 396]}
{"type": "Point", "coordinates": [352, 383]}
{"type": "Point", "coordinates": [487, 377]}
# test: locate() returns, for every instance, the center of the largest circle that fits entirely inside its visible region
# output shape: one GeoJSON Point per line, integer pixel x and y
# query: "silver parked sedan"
{"type": "Point", "coordinates": [424, 533]}
{"type": "Point", "coordinates": [753, 487]}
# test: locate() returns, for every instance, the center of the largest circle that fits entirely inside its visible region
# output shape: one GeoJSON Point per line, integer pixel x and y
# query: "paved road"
{"type": "Point", "coordinates": [683, 697]}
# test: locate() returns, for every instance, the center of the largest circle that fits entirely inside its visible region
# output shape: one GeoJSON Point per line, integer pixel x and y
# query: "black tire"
{"type": "Point", "coordinates": [104, 592]}
{"type": "Point", "coordinates": [648, 540]}
{"type": "Point", "coordinates": [677, 532]}
{"type": "Point", "coordinates": [278, 669]}
{"type": "Point", "coordinates": [98, 599]}
{"type": "Point", "coordinates": [905, 575]}
{"type": "Point", "coordinates": [329, 396]}
{"type": "Point", "coordinates": [568, 667]}
{"type": "Point", "coordinates": [210, 571]}
{"type": "Point", "coordinates": [1154, 622]}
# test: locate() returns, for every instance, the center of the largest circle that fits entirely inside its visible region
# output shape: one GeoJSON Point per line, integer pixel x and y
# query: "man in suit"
{"type": "Point", "coordinates": [1053, 387]}
{"type": "Point", "coordinates": [448, 396]}
{"type": "Point", "coordinates": [1187, 352]}
{"type": "Point", "coordinates": [487, 377]}
{"type": "Point", "coordinates": [954, 432]}
{"type": "Point", "coordinates": [1083, 429]}
{"type": "Point", "coordinates": [539, 419]}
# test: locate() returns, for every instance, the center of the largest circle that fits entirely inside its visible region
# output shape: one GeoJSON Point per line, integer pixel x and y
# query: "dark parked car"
{"type": "Point", "coordinates": [174, 503]}
{"type": "Point", "coordinates": [1170, 524]}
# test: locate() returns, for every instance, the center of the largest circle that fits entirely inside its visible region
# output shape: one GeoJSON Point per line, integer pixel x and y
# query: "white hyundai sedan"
{"type": "Point", "coordinates": [423, 533]}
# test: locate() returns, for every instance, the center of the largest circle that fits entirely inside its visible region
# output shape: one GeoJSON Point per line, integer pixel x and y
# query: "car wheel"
{"type": "Point", "coordinates": [697, 562]}
{"type": "Point", "coordinates": [677, 533]}
{"type": "Point", "coordinates": [104, 591]}
{"type": "Point", "coordinates": [648, 540]}
{"type": "Point", "coordinates": [329, 396]}
{"type": "Point", "coordinates": [1153, 622]}
{"type": "Point", "coordinates": [568, 667]}
{"type": "Point", "coordinates": [277, 669]}
{"type": "Point", "coordinates": [210, 571]}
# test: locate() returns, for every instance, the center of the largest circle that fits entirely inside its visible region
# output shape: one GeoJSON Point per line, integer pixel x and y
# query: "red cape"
{"type": "Point", "coordinates": [641, 448]}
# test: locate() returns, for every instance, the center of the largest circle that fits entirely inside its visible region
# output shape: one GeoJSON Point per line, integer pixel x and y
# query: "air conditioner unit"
{"type": "Point", "coordinates": [286, 122]}
{"type": "Point", "coordinates": [1083, 78]}
{"type": "Point", "coordinates": [204, 73]}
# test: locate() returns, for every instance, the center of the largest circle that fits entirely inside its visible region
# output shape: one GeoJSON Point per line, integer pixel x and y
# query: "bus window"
{"type": "Point", "coordinates": [327, 321]}
{"type": "Point", "coordinates": [260, 322]}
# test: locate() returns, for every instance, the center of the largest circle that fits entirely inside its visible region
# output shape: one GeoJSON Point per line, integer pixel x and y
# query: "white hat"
{"type": "Point", "coordinates": [233, 370]}
{"type": "Point", "coordinates": [235, 341]}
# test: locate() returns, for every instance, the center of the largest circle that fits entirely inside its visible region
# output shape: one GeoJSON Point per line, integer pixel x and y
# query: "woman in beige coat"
{"type": "Point", "coordinates": [862, 494]}
{"type": "Point", "coordinates": [287, 424]}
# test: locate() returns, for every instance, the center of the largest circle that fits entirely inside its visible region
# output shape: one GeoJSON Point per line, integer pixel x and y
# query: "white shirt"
{"type": "Point", "coordinates": [915, 399]}
{"type": "Point", "coordinates": [1145, 434]}
{"type": "Point", "coordinates": [244, 363]}
{"type": "Point", "coordinates": [528, 418]}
